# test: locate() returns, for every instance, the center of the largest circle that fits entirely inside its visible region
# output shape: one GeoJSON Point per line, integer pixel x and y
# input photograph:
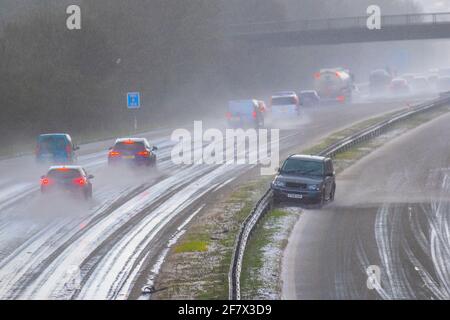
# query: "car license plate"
{"type": "Point", "coordinates": [295, 196]}
{"type": "Point", "coordinates": [128, 157]}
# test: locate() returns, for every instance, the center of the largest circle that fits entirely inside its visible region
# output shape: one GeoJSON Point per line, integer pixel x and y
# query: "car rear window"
{"type": "Point", "coordinates": [281, 101]}
{"type": "Point", "coordinates": [399, 82]}
{"type": "Point", "coordinates": [308, 95]}
{"type": "Point", "coordinates": [59, 174]}
{"type": "Point", "coordinates": [52, 143]}
{"type": "Point", "coordinates": [126, 146]}
{"type": "Point", "coordinates": [241, 107]}
{"type": "Point", "coordinates": [303, 167]}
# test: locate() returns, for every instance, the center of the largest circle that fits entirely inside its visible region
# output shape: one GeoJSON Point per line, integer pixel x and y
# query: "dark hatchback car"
{"type": "Point", "coordinates": [304, 178]}
{"type": "Point", "coordinates": [135, 151]}
{"type": "Point", "coordinates": [73, 179]}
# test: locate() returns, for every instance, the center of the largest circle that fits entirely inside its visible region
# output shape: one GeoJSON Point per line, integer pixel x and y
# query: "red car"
{"type": "Point", "coordinates": [71, 179]}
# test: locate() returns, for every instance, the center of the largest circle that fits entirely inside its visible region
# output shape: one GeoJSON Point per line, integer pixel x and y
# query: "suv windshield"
{"type": "Point", "coordinates": [59, 174]}
{"type": "Point", "coordinates": [303, 167]}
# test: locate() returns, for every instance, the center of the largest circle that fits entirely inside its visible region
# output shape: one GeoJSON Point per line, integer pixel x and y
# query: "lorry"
{"type": "Point", "coordinates": [334, 84]}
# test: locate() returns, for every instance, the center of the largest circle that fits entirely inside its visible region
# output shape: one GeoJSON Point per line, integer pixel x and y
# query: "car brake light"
{"type": "Point", "coordinates": [341, 98]}
{"type": "Point", "coordinates": [254, 114]}
{"type": "Point", "coordinates": [228, 115]}
{"type": "Point", "coordinates": [68, 149]}
{"type": "Point", "coordinates": [143, 153]}
{"type": "Point", "coordinates": [63, 169]}
{"type": "Point", "coordinates": [79, 181]}
{"type": "Point", "coordinates": [114, 153]}
{"type": "Point", "coordinates": [45, 181]}
{"type": "Point", "coordinates": [317, 75]}
{"type": "Point", "coordinates": [129, 142]}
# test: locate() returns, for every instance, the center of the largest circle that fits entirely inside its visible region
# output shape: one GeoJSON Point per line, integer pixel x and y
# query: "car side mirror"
{"type": "Point", "coordinates": [75, 148]}
{"type": "Point", "coordinates": [154, 148]}
{"type": "Point", "coordinates": [278, 170]}
{"type": "Point", "coordinates": [110, 148]}
{"type": "Point", "coordinates": [90, 176]}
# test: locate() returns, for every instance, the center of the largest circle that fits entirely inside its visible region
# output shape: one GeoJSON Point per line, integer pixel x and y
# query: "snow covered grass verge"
{"type": "Point", "coordinates": [197, 267]}
{"type": "Point", "coordinates": [261, 269]}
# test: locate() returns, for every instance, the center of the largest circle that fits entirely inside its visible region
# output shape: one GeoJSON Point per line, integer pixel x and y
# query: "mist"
{"type": "Point", "coordinates": [175, 53]}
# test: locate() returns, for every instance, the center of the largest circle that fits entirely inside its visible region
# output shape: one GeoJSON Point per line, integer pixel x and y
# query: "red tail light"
{"type": "Point", "coordinates": [254, 114]}
{"type": "Point", "coordinates": [341, 98]}
{"type": "Point", "coordinates": [68, 149]}
{"type": "Point", "coordinates": [143, 153]}
{"type": "Point", "coordinates": [114, 153]}
{"type": "Point", "coordinates": [317, 75]}
{"type": "Point", "coordinates": [129, 142]}
{"type": "Point", "coordinates": [45, 181]}
{"type": "Point", "coordinates": [80, 181]}
{"type": "Point", "coordinates": [228, 115]}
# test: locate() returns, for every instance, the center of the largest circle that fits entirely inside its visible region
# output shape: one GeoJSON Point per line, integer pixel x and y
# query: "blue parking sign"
{"type": "Point", "coordinates": [133, 100]}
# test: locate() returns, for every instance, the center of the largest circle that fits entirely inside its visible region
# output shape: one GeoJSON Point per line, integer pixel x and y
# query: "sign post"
{"type": "Point", "coordinates": [134, 103]}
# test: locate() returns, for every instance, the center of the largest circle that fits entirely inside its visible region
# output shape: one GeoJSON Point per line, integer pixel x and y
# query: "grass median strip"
{"type": "Point", "coordinates": [197, 268]}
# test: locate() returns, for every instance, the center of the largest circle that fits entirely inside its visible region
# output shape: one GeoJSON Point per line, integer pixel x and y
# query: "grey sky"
{"type": "Point", "coordinates": [435, 5]}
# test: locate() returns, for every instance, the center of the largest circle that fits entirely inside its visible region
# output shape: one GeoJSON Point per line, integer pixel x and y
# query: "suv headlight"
{"type": "Point", "coordinates": [313, 187]}
{"type": "Point", "coordinates": [278, 183]}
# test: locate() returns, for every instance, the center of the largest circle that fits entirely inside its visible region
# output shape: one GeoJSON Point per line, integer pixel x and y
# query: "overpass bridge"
{"type": "Point", "coordinates": [343, 30]}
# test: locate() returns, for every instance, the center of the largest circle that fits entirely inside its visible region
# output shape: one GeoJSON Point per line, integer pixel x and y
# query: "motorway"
{"type": "Point", "coordinates": [391, 211]}
{"type": "Point", "coordinates": [108, 248]}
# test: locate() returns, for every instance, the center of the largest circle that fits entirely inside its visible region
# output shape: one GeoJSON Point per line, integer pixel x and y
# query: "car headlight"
{"type": "Point", "coordinates": [314, 187]}
{"type": "Point", "coordinates": [278, 183]}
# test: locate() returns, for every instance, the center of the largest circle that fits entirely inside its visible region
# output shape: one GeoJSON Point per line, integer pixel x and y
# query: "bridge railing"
{"type": "Point", "coordinates": [340, 23]}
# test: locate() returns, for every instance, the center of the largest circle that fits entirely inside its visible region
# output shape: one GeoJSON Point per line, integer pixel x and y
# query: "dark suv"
{"type": "Point", "coordinates": [135, 151]}
{"type": "Point", "coordinates": [303, 178]}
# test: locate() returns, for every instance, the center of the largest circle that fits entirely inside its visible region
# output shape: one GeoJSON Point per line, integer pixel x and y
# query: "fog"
{"type": "Point", "coordinates": [176, 54]}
